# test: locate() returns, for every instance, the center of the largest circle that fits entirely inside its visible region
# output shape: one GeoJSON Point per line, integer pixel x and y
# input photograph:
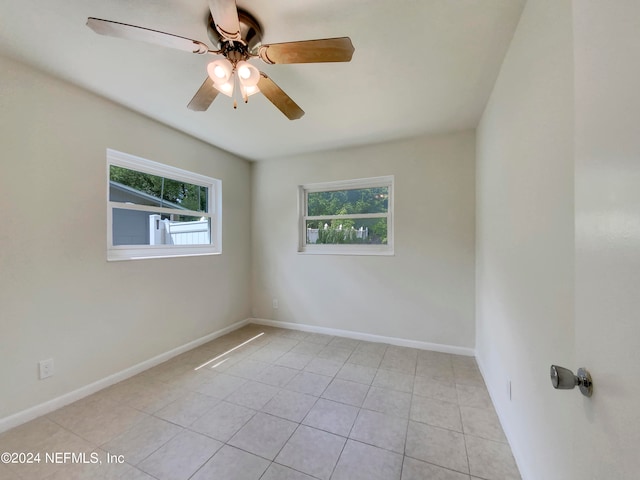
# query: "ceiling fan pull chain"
{"type": "Point", "coordinates": [239, 37]}
{"type": "Point", "coordinates": [235, 88]}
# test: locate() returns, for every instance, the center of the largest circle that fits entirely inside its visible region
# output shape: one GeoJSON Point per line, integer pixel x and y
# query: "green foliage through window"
{"type": "Point", "coordinates": [333, 228]}
{"type": "Point", "coordinates": [345, 202]}
{"type": "Point", "coordinates": [347, 230]}
{"type": "Point", "coordinates": [186, 195]}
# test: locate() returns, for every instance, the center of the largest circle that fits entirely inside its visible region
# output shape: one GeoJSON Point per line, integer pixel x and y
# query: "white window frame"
{"type": "Point", "coordinates": [138, 252]}
{"type": "Point", "coordinates": [344, 249]}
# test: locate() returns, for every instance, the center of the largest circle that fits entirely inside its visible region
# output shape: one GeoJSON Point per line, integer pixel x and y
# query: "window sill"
{"type": "Point", "coordinates": [124, 254]}
{"type": "Point", "coordinates": [341, 250]}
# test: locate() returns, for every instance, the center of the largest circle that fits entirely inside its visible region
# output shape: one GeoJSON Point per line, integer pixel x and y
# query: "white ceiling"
{"type": "Point", "coordinates": [420, 66]}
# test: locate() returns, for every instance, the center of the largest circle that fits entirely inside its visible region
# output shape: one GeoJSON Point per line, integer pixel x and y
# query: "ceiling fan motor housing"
{"type": "Point", "coordinates": [250, 30]}
{"type": "Point", "coordinates": [234, 52]}
{"type": "Point", "coordinates": [238, 38]}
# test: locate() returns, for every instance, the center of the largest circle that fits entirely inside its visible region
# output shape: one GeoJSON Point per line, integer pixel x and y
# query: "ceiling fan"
{"type": "Point", "coordinates": [238, 37]}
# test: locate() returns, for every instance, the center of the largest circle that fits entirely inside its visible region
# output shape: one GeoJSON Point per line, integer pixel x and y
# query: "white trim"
{"type": "Point", "coordinates": [133, 162]}
{"type": "Point", "coordinates": [154, 209]}
{"type": "Point", "coordinates": [346, 249]}
{"type": "Point", "coordinates": [214, 213]}
{"type": "Point", "coordinates": [517, 455]}
{"type": "Point", "coordinates": [347, 216]}
{"type": "Point", "coordinates": [370, 182]}
{"type": "Point", "coordinates": [49, 406]}
{"type": "Point", "coordinates": [121, 252]}
{"type": "Point", "coordinates": [368, 337]}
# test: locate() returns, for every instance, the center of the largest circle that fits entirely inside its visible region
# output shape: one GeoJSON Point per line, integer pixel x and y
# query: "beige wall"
{"type": "Point", "coordinates": [59, 298]}
{"type": "Point", "coordinates": [424, 293]}
{"type": "Point", "coordinates": [525, 240]}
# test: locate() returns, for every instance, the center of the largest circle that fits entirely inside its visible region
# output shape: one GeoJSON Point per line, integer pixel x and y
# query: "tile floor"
{"type": "Point", "coordinates": [287, 405]}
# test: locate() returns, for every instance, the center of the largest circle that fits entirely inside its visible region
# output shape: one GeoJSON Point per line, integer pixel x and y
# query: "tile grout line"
{"type": "Point", "coordinates": [397, 359]}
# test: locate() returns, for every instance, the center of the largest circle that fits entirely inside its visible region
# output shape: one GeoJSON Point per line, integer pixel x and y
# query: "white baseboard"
{"type": "Point", "coordinates": [402, 342]}
{"type": "Point", "coordinates": [36, 411]}
{"type": "Point", "coordinates": [505, 426]}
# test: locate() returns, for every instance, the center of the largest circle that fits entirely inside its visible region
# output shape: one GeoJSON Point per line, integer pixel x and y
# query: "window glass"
{"type": "Point", "coordinates": [347, 217]}
{"type": "Point", "coordinates": [340, 202]}
{"type": "Point", "coordinates": [147, 189]}
{"type": "Point", "coordinates": [160, 211]}
{"type": "Point", "coordinates": [191, 197]}
{"type": "Point", "coordinates": [349, 230]}
{"type": "Point", "coordinates": [138, 227]}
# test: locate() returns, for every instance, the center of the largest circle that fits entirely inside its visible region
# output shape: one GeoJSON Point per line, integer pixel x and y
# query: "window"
{"type": "Point", "coordinates": [347, 217]}
{"type": "Point", "coordinates": [155, 210]}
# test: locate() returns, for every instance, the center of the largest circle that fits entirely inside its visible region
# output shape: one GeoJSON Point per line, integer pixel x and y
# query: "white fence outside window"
{"type": "Point", "coordinates": [166, 232]}
{"type": "Point", "coordinates": [312, 233]}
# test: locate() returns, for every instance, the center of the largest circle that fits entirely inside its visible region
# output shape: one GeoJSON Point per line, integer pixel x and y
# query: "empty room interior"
{"type": "Point", "coordinates": [381, 241]}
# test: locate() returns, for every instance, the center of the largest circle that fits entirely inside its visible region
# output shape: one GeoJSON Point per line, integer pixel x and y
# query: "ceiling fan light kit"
{"type": "Point", "coordinates": [238, 37]}
{"type": "Point", "coordinates": [220, 71]}
{"type": "Point", "coordinates": [248, 74]}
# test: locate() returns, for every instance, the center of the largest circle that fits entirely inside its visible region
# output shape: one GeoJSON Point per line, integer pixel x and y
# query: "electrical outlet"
{"type": "Point", "coordinates": [46, 368]}
{"type": "Point", "coordinates": [275, 303]}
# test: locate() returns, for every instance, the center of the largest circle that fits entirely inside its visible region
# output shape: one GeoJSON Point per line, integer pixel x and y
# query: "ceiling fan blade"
{"type": "Point", "coordinates": [204, 97]}
{"type": "Point", "coordinates": [131, 32]}
{"type": "Point", "coordinates": [308, 51]}
{"type": "Point", "coordinates": [225, 16]}
{"type": "Point", "coordinates": [280, 99]}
